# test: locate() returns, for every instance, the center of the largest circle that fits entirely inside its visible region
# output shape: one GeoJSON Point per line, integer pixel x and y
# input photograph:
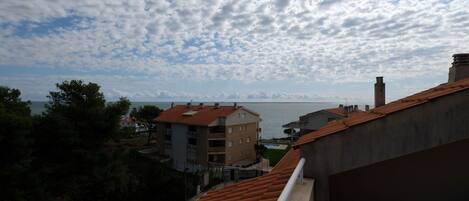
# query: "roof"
{"type": "Point", "coordinates": [267, 187]}
{"type": "Point", "coordinates": [194, 115]}
{"type": "Point", "coordinates": [293, 124]}
{"type": "Point", "coordinates": [341, 111]}
{"type": "Point", "coordinates": [380, 112]}
{"type": "Point", "coordinates": [337, 111]}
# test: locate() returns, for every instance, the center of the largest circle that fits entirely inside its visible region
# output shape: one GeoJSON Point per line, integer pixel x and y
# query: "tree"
{"type": "Point", "coordinates": [70, 144]}
{"type": "Point", "coordinates": [15, 144]}
{"type": "Point", "coordinates": [146, 115]}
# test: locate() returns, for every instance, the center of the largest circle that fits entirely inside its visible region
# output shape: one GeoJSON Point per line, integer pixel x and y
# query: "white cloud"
{"type": "Point", "coordinates": [323, 40]}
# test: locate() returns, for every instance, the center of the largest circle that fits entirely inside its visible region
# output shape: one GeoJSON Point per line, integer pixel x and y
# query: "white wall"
{"type": "Point", "coordinates": [241, 116]}
{"type": "Point", "coordinates": [179, 145]}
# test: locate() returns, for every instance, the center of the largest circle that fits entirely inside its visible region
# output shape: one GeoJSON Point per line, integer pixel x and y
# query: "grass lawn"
{"type": "Point", "coordinates": [274, 155]}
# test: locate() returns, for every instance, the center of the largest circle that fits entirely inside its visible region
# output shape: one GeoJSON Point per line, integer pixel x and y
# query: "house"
{"type": "Point", "coordinates": [315, 120]}
{"type": "Point", "coordinates": [196, 136]}
{"type": "Point", "coordinates": [409, 149]}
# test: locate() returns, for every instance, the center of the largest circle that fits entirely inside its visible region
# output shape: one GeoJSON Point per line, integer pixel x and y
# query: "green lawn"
{"type": "Point", "coordinates": [274, 155]}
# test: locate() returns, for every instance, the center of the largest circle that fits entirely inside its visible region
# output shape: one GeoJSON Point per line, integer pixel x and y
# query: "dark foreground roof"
{"type": "Point", "coordinates": [380, 112]}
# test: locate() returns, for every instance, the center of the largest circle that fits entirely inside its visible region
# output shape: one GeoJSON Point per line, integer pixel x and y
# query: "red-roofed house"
{"type": "Point", "coordinates": [195, 136]}
{"type": "Point", "coordinates": [315, 120]}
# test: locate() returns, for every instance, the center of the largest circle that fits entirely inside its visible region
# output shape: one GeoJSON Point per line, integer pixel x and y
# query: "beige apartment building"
{"type": "Point", "coordinates": [195, 136]}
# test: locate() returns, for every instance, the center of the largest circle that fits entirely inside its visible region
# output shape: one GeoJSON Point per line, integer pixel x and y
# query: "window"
{"type": "Point", "coordinates": [192, 141]}
{"type": "Point", "coordinates": [230, 143]}
{"type": "Point", "coordinates": [240, 140]}
{"type": "Point", "coordinates": [167, 137]}
{"type": "Point", "coordinates": [216, 143]}
{"type": "Point", "coordinates": [248, 139]}
{"type": "Point", "coordinates": [192, 128]}
{"type": "Point", "coordinates": [241, 128]}
{"type": "Point", "coordinates": [229, 157]}
{"type": "Point", "coordinates": [230, 130]}
{"type": "Point", "coordinates": [243, 115]}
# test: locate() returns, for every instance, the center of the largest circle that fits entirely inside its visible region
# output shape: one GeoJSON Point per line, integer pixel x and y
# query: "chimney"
{"type": "Point", "coordinates": [460, 68]}
{"type": "Point", "coordinates": [188, 105]}
{"type": "Point", "coordinates": [172, 104]}
{"type": "Point", "coordinates": [355, 108]}
{"type": "Point", "coordinates": [235, 105]}
{"type": "Point", "coordinates": [380, 92]}
{"type": "Point", "coordinates": [367, 108]}
{"type": "Point", "coordinates": [217, 105]}
{"type": "Point", "coordinates": [341, 106]}
{"type": "Point", "coordinates": [201, 105]}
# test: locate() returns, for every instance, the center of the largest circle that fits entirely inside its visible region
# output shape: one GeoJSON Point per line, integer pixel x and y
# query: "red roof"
{"type": "Point", "coordinates": [380, 112]}
{"type": "Point", "coordinates": [266, 187]}
{"type": "Point", "coordinates": [341, 111]}
{"type": "Point", "coordinates": [338, 110]}
{"type": "Point", "coordinates": [195, 115]}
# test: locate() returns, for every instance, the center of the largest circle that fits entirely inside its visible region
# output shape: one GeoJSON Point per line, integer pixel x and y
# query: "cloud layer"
{"type": "Point", "coordinates": [337, 41]}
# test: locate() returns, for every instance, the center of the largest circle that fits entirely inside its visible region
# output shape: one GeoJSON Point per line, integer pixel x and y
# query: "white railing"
{"type": "Point", "coordinates": [297, 174]}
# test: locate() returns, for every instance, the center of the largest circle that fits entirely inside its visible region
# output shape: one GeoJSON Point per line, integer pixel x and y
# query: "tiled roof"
{"type": "Point", "coordinates": [341, 111]}
{"type": "Point", "coordinates": [380, 112]}
{"type": "Point", "coordinates": [338, 110]}
{"type": "Point", "coordinates": [267, 187]}
{"type": "Point", "coordinates": [195, 115]}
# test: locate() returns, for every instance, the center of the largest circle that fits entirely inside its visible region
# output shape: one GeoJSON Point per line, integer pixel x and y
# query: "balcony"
{"type": "Point", "coordinates": [216, 149]}
{"type": "Point", "coordinates": [216, 159]}
{"type": "Point", "coordinates": [216, 136]}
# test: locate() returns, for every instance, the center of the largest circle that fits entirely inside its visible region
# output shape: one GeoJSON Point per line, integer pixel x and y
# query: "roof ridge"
{"type": "Point", "coordinates": [380, 112]}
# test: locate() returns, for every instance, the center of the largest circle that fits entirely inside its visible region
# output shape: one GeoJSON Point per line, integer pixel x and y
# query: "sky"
{"type": "Point", "coordinates": [241, 50]}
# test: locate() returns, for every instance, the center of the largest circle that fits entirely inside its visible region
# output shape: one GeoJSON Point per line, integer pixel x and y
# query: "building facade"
{"type": "Point", "coordinates": [201, 136]}
{"type": "Point", "coordinates": [313, 121]}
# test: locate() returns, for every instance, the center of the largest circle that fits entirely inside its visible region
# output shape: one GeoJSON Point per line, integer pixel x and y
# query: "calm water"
{"type": "Point", "coordinates": [273, 115]}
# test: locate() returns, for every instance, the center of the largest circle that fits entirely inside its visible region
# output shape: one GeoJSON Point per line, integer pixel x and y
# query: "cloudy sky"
{"type": "Point", "coordinates": [246, 50]}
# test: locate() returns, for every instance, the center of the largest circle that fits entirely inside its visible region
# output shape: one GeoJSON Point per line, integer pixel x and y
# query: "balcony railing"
{"type": "Point", "coordinates": [216, 149]}
{"type": "Point", "coordinates": [297, 175]}
{"type": "Point", "coordinates": [216, 136]}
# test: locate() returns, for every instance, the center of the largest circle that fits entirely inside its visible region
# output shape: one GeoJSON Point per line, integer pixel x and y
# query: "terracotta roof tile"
{"type": "Point", "coordinates": [380, 112]}
{"type": "Point", "coordinates": [341, 111]}
{"type": "Point", "coordinates": [267, 187]}
{"type": "Point", "coordinates": [202, 115]}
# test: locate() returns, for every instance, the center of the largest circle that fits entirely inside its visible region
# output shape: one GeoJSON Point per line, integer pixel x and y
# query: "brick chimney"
{"type": "Point", "coordinates": [380, 92]}
{"type": "Point", "coordinates": [460, 68]}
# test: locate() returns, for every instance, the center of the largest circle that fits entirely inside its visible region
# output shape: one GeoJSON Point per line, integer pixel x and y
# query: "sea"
{"type": "Point", "coordinates": [273, 114]}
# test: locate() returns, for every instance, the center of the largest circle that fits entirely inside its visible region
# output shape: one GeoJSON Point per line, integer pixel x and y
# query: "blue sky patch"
{"type": "Point", "coordinates": [55, 25]}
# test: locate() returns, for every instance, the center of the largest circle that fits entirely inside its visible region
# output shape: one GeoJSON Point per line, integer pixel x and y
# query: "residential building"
{"type": "Point", "coordinates": [409, 149]}
{"type": "Point", "coordinates": [195, 136]}
{"type": "Point", "coordinates": [313, 121]}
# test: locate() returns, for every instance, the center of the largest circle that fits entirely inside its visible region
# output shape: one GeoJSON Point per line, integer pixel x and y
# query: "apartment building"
{"type": "Point", "coordinates": [195, 136]}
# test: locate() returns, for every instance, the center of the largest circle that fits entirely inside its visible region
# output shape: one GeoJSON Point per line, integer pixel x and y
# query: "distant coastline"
{"type": "Point", "coordinates": [273, 114]}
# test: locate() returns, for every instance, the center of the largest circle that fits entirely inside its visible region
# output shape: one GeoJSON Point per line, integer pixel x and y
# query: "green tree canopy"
{"type": "Point", "coordinates": [15, 144]}
{"type": "Point", "coordinates": [70, 143]}
{"type": "Point", "coordinates": [146, 114]}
